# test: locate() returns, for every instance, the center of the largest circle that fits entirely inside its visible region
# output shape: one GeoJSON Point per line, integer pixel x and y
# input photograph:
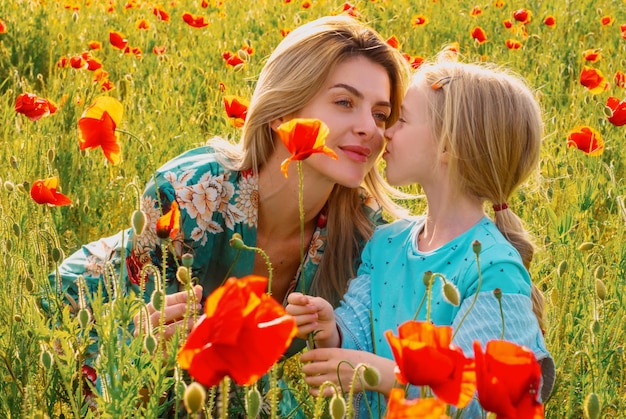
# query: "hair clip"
{"type": "Point", "coordinates": [441, 82]}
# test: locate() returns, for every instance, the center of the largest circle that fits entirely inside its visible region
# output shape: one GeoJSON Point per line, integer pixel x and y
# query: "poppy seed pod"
{"type": "Point", "coordinates": [428, 278]}
{"type": "Point", "coordinates": [194, 398]}
{"type": "Point", "coordinates": [187, 260]}
{"type": "Point", "coordinates": [476, 247]}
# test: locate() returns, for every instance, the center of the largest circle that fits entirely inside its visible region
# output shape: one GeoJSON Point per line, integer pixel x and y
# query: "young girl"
{"type": "Point", "coordinates": [468, 134]}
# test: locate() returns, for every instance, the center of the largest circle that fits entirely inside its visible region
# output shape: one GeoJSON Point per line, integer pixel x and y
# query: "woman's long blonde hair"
{"type": "Point", "coordinates": [490, 125]}
{"type": "Point", "coordinates": [294, 73]}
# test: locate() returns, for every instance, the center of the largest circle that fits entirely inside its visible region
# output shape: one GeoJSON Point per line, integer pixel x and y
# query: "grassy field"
{"type": "Point", "coordinates": [173, 100]}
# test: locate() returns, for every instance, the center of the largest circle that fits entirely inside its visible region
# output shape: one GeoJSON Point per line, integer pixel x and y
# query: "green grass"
{"type": "Point", "coordinates": [173, 102]}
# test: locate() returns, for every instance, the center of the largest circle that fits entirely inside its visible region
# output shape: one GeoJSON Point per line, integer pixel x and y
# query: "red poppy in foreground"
{"type": "Point", "coordinates": [236, 109]}
{"type": "Point", "coordinates": [168, 225]}
{"type": "Point", "coordinates": [96, 127]}
{"type": "Point", "coordinates": [44, 191]}
{"type": "Point", "coordinates": [508, 380]}
{"type": "Point", "coordinates": [400, 408]}
{"type": "Point", "coordinates": [242, 333]}
{"type": "Point", "coordinates": [479, 34]}
{"type": "Point", "coordinates": [617, 110]}
{"type": "Point", "coordinates": [593, 80]}
{"type": "Point", "coordinates": [195, 21]}
{"type": "Point", "coordinates": [34, 107]}
{"type": "Point", "coordinates": [303, 137]}
{"type": "Point", "coordinates": [425, 356]}
{"type": "Point", "coordinates": [586, 139]}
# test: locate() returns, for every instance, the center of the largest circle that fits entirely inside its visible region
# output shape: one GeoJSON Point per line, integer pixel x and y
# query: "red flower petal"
{"type": "Point", "coordinates": [400, 408]}
{"type": "Point", "coordinates": [44, 191]}
{"type": "Point", "coordinates": [303, 137]}
{"type": "Point", "coordinates": [593, 80]}
{"type": "Point", "coordinates": [117, 40]}
{"type": "Point", "coordinates": [587, 140]}
{"type": "Point", "coordinates": [168, 225]}
{"type": "Point", "coordinates": [195, 21]}
{"type": "Point", "coordinates": [236, 109]}
{"type": "Point", "coordinates": [618, 111]}
{"type": "Point", "coordinates": [34, 107]}
{"type": "Point", "coordinates": [479, 34]}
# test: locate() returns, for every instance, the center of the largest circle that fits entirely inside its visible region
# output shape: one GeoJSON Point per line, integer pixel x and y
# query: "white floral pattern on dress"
{"type": "Point", "coordinates": [316, 243]}
{"type": "Point", "coordinates": [247, 201]}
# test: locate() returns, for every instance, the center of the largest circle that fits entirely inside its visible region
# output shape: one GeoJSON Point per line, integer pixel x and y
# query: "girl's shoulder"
{"type": "Point", "coordinates": [400, 227]}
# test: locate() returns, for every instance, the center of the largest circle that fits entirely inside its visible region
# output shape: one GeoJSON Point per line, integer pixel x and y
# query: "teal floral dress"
{"type": "Point", "coordinates": [215, 203]}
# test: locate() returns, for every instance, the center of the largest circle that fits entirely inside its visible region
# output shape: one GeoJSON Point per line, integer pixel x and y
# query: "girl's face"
{"type": "Point", "coordinates": [411, 153]}
{"type": "Point", "coordinates": [355, 103]}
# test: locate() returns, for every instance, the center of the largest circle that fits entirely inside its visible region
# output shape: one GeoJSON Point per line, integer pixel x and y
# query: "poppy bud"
{"type": "Point", "coordinates": [243, 54]}
{"type": "Point", "coordinates": [560, 270]}
{"type": "Point", "coordinates": [21, 187]}
{"type": "Point", "coordinates": [337, 407]}
{"type": "Point", "coordinates": [585, 246]}
{"type": "Point", "coordinates": [428, 278]}
{"type": "Point", "coordinates": [592, 406]}
{"type": "Point", "coordinates": [371, 376]}
{"type": "Point", "coordinates": [138, 221]}
{"type": "Point", "coordinates": [451, 293]}
{"type": "Point", "coordinates": [476, 247]}
{"type": "Point", "coordinates": [554, 296]}
{"type": "Point", "coordinates": [608, 112]}
{"type": "Point", "coordinates": [497, 292]}
{"type": "Point", "coordinates": [595, 327]}
{"type": "Point", "coordinates": [9, 244]}
{"type": "Point", "coordinates": [238, 67]}
{"type": "Point", "coordinates": [30, 285]}
{"type": "Point", "coordinates": [187, 260]}
{"type": "Point", "coordinates": [182, 274]}
{"type": "Point", "coordinates": [51, 155]}
{"type": "Point", "coordinates": [17, 230]}
{"type": "Point", "coordinates": [157, 300]}
{"type": "Point", "coordinates": [149, 342]}
{"type": "Point", "coordinates": [599, 272]}
{"type": "Point", "coordinates": [236, 242]}
{"type": "Point", "coordinates": [57, 255]}
{"type": "Point", "coordinates": [253, 402]}
{"type": "Point", "coordinates": [9, 186]}
{"type": "Point", "coordinates": [194, 397]}
{"type": "Point", "coordinates": [84, 317]}
{"type": "Point", "coordinates": [17, 318]}
{"type": "Point", "coordinates": [600, 289]}
{"type": "Point", "coordinates": [46, 359]}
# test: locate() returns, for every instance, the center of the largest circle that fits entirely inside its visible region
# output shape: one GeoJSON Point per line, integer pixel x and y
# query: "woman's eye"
{"type": "Point", "coordinates": [344, 103]}
{"type": "Point", "coordinates": [381, 116]}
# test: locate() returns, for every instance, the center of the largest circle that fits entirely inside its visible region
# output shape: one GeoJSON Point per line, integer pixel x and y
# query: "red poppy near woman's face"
{"type": "Point", "coordinates": [96, 127]}
{"type": "Point", "coordinates": [303, 137]}
{"type": "Point", "coordinates": [236, 109]}
{"type": "Point", "coordinates": [44, 191]}
{"type": "Point", "coordinates": [618, 111]}
{"type": "Point", "coordinates": [425, 357]}
{"type": "Point", "coordinates": [34, 107]}
{"type": "Point", "coordinates": [587, 140]}
{"type": "Point", "coordinates": [508, 379]}
{"type": "Point", "coordinates": [242, 333]}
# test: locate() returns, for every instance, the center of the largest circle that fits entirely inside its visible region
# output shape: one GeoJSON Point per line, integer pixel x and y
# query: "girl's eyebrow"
{"type": "Point", "coordinates": [356, 92]}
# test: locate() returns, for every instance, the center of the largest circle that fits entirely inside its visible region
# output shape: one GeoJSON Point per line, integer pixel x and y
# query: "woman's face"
{"type": "Point", "coordinates": [412, 152]}
{"type": "Point", "coordinates": [355, 103]}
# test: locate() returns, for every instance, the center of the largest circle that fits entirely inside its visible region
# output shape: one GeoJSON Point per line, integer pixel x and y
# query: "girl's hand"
{"type": "Point", "coordinates": [314, 315]}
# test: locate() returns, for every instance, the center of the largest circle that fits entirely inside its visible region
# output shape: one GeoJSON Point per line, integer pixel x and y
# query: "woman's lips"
{"type": "Point", "coordinates": [357, 153]}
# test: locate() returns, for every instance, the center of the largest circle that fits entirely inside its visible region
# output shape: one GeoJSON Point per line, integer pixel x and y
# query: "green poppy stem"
{"type": "Point", "coordinates": [301, 210]}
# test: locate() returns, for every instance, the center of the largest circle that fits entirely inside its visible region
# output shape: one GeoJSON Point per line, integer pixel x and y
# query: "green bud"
{"type": "Point", "coordinates": [243, 55]}
{"type": "Point", "coordinates": [476, 247]}
{"type": "Point", "coordinates": [599, 272]}
{"type": "Point", "coordinates": [51, 155]}
{"type": "Point", "coordinates": [428, 278]}
{"type": "Point", "coordinates": [600, 289]}
{"type": "Point", "coordinates": [9, 244]}
{"type": "Point", "coordinates": [595, 327]}
{"type": "Point", "coordinates": [451, 293]}
{"type": "Point", "coordinates": [157, 300]}
{"type": "Point", "coordinates": [371, 376]}
{"type": "Point", "coordinates": [238, 67]}
{"type": "Point", "coordinates": [592, 406]}
{"type": "Point", "coordinates": [9, 186]}
{"type": "Point", "coordinates": [182, 274]}
{"type": "Point", "coordinates": [253, 402]}
{"type": "Point", "coordinates": [84, 317]}
{"type": "Point", "coordinates": [30, 285]}
{"type": "Point", "coordinates": [560, 270]}
{"type": "Point", "coordinates": [17, 318]}
{"type": "Point", "coordinates": [46, 359]}
{"type": "Point", "coordinates": [586, 246]}
{"type": "Point", "coordinates": [608, 112]}
{"type": "Point", "coordinates": [57, 254]}
{"type": "Point", "coordinates": [14, 162]}
{"type": "Point", "coordinates": [554, 296]}
{"type": "Point", "coordinates": [194, 397]}
{"type": "Point", "coordinates": [337, 407]}
{"type": "Point", "coordinates": [236, 242]}
{"type": "Point", "coordinates": [138, 221]}
{"type": "Point", "coordinates": [17, 230]}
{"type": "Point", "coordinates": [149, 342]}
{"type": "Point", "coordinates": [187, 260]}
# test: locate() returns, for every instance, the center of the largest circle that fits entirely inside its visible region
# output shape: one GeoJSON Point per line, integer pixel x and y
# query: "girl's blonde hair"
{"type": "Point", "coordinates": [294, 73]}
{"type": "Point", "coordinates": [490, 125]}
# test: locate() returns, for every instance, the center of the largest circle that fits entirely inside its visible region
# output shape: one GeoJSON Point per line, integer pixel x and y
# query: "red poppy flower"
{"type": "Point", "coordinates": [508, 378]}
{"type": "Point", "coordinates": [236, 109]}
{"type": "Point", "coordinates": [586, 139]}
{"type": "Point", "coordinates": [118, 40]}
{"type": "Point", "coordinates": [400, 408]}
{"type": "Point", "coordinates": [159, 50]}
{"type": "Point", "coordinates": [231, 59]}
{"type": "Point", "coordinates": [195, 21]}
{"type": "Point", "coordinates": [94, 45]}
{"type": "Point", "coordinates": [550, 21]}
{"type": "Point", "coordinates": [425, 356]}
{"type": "Point", "coordinates": [3, 27]}
{"type": "Point", "coordinates": [142, 24]}
{"type": "Point", "coordinates": [306, 4]}
{"type": "Point", "coordinates": [242, 334]}
{"type": "Point", "coordinates": [204, 4]}
{"type": "Point", "coordinates": [34, 107]}
{"type": "Point", "coordinates": [78, 62]}
{"type": "Point", "coordinates": [419, 20]}
{"type": "Point", "coordinates": [498, 3]}
{"type": "Point", "coordinates": [96, 127]}
{"type": "Point", "coordinates": [617, 110]}
{"type": "Point", "coordinates": [620, 79]}
{"type": "Point", "coordinates": [284, 32]}
{"type": "Point", "coordinates": [522, 15]}
{"type": "Point", "coordinates": [507, 23]}
{"type": "Point", "coordinates": [476, 11]}
{"type": "Point", "coordinates": [303, 137]}
{"type": "Point", "coordinates": [393, 42]}
{"type": "Point", "coordinates": [592, 55]}
{"type": "Point", "coordinates": [168, 225]}
{"type": "Point", "coordinates": [161, 14]}
{"type": "Point", "coordinates": [415, 62]}
{"type": "Point", "coordinates": [479, 34]}
{"type": "Point", "coordinates": [62, 62]}
{"type": "Point", "coordinates": [593, 80]}
{"type": "Point", "coordinates": [513, 44]}
{"type": "Point", "coordinates": [606, 20]}
{"type": "Point", "coordinates": [350, 9]}
{"type": "Point", "coordinates": [44, 191]}
{"type": "Point", "coordinates": [92, 63]}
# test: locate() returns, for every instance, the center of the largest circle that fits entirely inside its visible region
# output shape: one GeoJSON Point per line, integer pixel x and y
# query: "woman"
{"type": "Point", "coordinates": [333, 69]}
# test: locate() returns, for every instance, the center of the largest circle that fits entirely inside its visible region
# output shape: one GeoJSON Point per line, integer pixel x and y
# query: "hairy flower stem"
{"type": "Point", "coordinates": [301, 211]}
{"type": "Point", "coordinates": [480, 281]}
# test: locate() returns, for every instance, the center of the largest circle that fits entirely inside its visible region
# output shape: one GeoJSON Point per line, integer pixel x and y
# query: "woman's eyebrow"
{"type": "Point", "coordinates": [356, 92]}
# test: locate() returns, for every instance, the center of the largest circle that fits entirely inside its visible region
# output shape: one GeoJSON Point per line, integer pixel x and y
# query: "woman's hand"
{"type": "Point", "coordinates": [314, 315]}
{"type": "Point", "coordinates": [329, 364]}
{"type": "Point", "coordinates": [174, 313]}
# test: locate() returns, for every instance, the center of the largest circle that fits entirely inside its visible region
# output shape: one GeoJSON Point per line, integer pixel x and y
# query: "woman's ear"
{"type": "Point", "coordinates": [274, 124]}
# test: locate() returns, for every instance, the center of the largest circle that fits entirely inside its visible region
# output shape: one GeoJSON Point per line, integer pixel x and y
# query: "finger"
{"type": "Point", "coordinates": [297, 298]}
{"type": "Point", "coordinates": [172, 314]}
{"type": "Point", "coordinates": [182, 296]}
{"type": "Point", "coordinates": [316, 355]}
